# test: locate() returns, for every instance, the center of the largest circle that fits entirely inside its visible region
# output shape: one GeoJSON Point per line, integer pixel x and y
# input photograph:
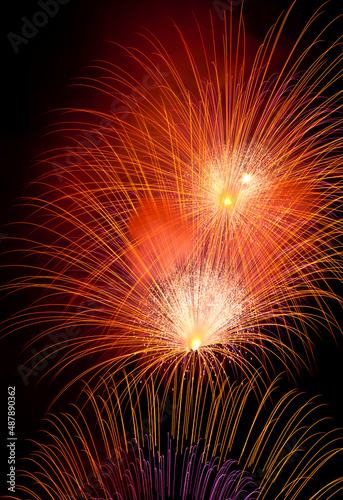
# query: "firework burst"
{"type": "Point", "coordinates": [247, 452]}
{"type": "Point", "coordinates": [200, 321]}
{"type": "Point", "coordinates": [238, 149]}
{"type": "Point", "coordinates": [193, 231]}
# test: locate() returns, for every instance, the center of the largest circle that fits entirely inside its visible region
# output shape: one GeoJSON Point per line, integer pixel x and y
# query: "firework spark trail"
{"type": "Point", "coordinates": [199, 319]}
{"type": "Point", "coordinates": [218, 168]}
{"type": "Point", "coordinates": [150, 475]}
{"type": "Point", "coordinates": [236, 161]}
{"type": "Point", "coordinates": [86, 454]}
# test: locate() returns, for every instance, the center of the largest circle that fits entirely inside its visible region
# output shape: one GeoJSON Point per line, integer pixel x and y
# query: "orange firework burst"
{"type": "Point", "coordinates": [191, 232]}
{"type": "Point", "coordinates": [238, 149]}
{"type": "Point", "coordinates": [247, 452]}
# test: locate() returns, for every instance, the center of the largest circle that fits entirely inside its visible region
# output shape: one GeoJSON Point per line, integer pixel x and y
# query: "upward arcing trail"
{"type": "Point", "coordinates": [198, 228]}
{"type": "Point", "coordinates": [245, 451]}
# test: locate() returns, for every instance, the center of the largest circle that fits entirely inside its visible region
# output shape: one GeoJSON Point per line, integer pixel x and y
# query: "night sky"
{"type": "Point", "coordinates": [36, 80]}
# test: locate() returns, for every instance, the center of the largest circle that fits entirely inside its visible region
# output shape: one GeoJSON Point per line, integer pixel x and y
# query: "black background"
{"type": "Point", "coordinates": [37, 80]}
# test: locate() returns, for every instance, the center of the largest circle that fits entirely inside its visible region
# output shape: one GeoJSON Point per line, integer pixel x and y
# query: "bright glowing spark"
{"type": "Point", "coordinates": [196, 344]}
{"type": "Point", "coordinates": [246, 178]}
{"type": "Point", "coordinates": [196, 339]}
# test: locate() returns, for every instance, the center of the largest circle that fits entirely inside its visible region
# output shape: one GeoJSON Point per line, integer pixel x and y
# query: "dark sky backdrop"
{"type": "Point", "coordinates": [37, 79]}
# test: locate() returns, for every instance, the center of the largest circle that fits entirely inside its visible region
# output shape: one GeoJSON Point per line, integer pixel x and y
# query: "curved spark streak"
{"type": "Point", "coordinates": [118, 453]}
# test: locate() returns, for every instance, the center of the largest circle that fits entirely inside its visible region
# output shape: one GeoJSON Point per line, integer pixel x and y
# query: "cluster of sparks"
{"type": "Point", "coordinates": [199, 234]}
{"type": "Point", "coordinates": [227, 185]}
{"type": "Point", "coordinates": [197, 308]}
{"type": "Point", "coordinates": [153, 476]}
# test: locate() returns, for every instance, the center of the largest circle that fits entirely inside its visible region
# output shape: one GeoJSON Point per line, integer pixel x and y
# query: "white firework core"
{"type": "Point", "coordinates": [234, 186]}
{"type": "Point", "coordinates": [198, 308]}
